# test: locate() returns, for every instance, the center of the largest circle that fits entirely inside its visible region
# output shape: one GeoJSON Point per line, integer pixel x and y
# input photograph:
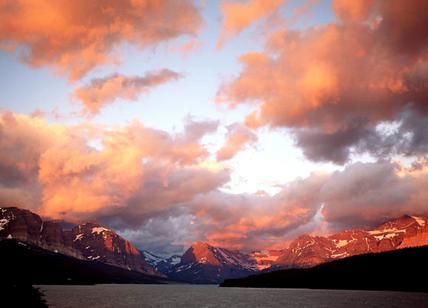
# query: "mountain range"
{"type": "Point", "coordinates": [202, 262]}
{"type": "Point", "coordinates": [87, 241]}
{"type": "Point", "coordinates": [395, 270]}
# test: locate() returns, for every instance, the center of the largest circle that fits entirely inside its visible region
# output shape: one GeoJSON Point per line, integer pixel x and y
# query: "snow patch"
{"type": "Point", "coordinates": [99, 230]}
{"type": "Point", "coordinates": [419, 220]}
{"type": "Point", "coordinates": [341, 243]}
{"type": "Point", "coordinates": [389, 236]}
{"type": "Point", "coordinates": [261, 267]}
{"type": "Point", "coordinates": [156, 261]}
{"type": "Point", "coordinates": [175, 260]}
{"type": "Point", "coordinates": [339, 255]}
{"type": "Point", "coordinates": [3, 222]}
{"type": "Point", "coordinates": [78, 237]}
{"type": "Point", "coordinates": [391, 230]}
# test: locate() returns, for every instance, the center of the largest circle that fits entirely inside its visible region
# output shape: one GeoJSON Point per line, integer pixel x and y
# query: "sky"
{"type": "Point", "coordinates": [240, 123]}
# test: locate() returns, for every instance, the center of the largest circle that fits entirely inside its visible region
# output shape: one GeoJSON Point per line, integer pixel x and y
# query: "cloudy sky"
{"type": "Point", "coordinates": [239, 123]}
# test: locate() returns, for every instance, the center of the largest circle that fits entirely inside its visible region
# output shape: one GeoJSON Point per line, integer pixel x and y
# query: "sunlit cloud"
{"type": "Point", "coordinates": [239, 15]}
{"type": "Point", "coordinates": [75, 37]}
{"type": "Point", "coordinates": [334, 84]}
{"type": "Point", "coordinates": [104, 91]}
{"type": "Point", "coordinates": [238, 137]}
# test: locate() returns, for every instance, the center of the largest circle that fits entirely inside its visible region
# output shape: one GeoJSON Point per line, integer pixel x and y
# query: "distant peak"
{"type": "Point", "coordinates": [200, 245]}
{"type": "Point", "coordinates": [91, 224]}
{"type": "Point", "coordinates": [405, 219]}
{"type": "Point", "coordinates": [306, 237]}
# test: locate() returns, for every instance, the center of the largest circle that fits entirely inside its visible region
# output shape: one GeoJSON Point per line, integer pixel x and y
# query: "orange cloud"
{"type": "Point", "coordinates": [104, 91]}
{"type": "Point", "coordinates": [239, 15]}
{"type": "Point", "coordinates": [377, 190]}
{"type": "Point", "coordinates": [238, 137]}
{"type": "Point", "coordinates": [151, 184]}
{"type": "Point", "coordinates": [248, 220]}
{"type": "Point", "coordinates": [332, 85]}
{"type": "Point", "coordinates": [187, 47]}
{"type": "Point", "coordinates": [352, 10]}
{"type": "Point", "coordinates": [63, 176]}
{"type": "Point", "coordinates": [74, 37]}
{"type": "Point", "coordinates": [138, 178]}
{"type": "Point", "coordinates": [363, 194]}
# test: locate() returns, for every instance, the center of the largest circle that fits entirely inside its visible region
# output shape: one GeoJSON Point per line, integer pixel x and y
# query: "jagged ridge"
{"type": "Point", "coordinates": [87, 241]}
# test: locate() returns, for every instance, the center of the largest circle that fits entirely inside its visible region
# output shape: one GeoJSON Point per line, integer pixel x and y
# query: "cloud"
{"type": "Point", "coordinates": [334, 85]}
{"type": "Point", "coordinates": [335, 146]}
{"type": "Point", "coordinates": [238, 137]}
{"type": "Point", "coordinates": [159, 189]}
{"type": "Point", "coordinates": [104, 91]}
{"type": "Point", "coordinates": [352, 11]}
{"type": "Point", "coordinates": [140, 180]}
{"type": "Point", "coordinates": [72, 179]}
{"type": "Point", "coordinates": [361, 195]}
{"type": "Point", "coordinates": [239, 15]}
{"type": "Point", "coordinates": [369, 193]}
{"type": "Point", "coordinates": [187, 47]}
{"type": "Point", "coordinates": [249, 221]}
{"type": "Point", "coordinates": [75, 37]}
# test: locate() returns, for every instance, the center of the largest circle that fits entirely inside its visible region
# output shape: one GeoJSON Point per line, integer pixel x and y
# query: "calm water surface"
{"type": "Point", "coordinates": [212, 296]}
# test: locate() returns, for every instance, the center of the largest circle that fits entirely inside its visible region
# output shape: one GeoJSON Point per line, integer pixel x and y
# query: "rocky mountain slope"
{"type": "Point", "coordinates": [203, 263]}
{"type": "Point", "coordinates": [307, 250]}
{"type": "Point", "coordinates": [395, 270]}
{"type": "Point", "coordinates": [24, 263]}
{"type": "Point", "coordinates": [87, 241]}
{"type": "Point", "coordinates": [29, 227]}
{"type": "Point", "coordinates": [98, 243]}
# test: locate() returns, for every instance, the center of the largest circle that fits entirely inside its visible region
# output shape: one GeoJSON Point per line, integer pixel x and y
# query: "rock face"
{"type": "Point", "coordinates": [87, 241]}
{"type": "Point", "coordinates": [55, 239]}
{"type": "Point", "coordinates": [104, 245]}
{"type": "Point", "coordinates": [28, 227]}
{"type": "Point", "coordinates": [20, 224]}
{"type": "Point", "coordinates": [306, 250]}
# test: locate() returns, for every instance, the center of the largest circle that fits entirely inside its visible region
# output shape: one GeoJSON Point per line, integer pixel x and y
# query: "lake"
{"type": "Point", "coordinates": [133, 295]}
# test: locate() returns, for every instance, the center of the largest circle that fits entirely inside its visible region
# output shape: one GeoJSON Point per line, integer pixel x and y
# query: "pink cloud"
{"type": "Point", "coordinates": [341, 79]}
{"type": "Point", "coordinates": [75, 37]}
{"type": "Point", "coordinates": [146, 182]}
{"type": "Point", "coordinates": [104, 91]}
{"type": "Point", "coordinates": [238, 137]}
{"type": "Point", "coordinates": [239, 15]}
